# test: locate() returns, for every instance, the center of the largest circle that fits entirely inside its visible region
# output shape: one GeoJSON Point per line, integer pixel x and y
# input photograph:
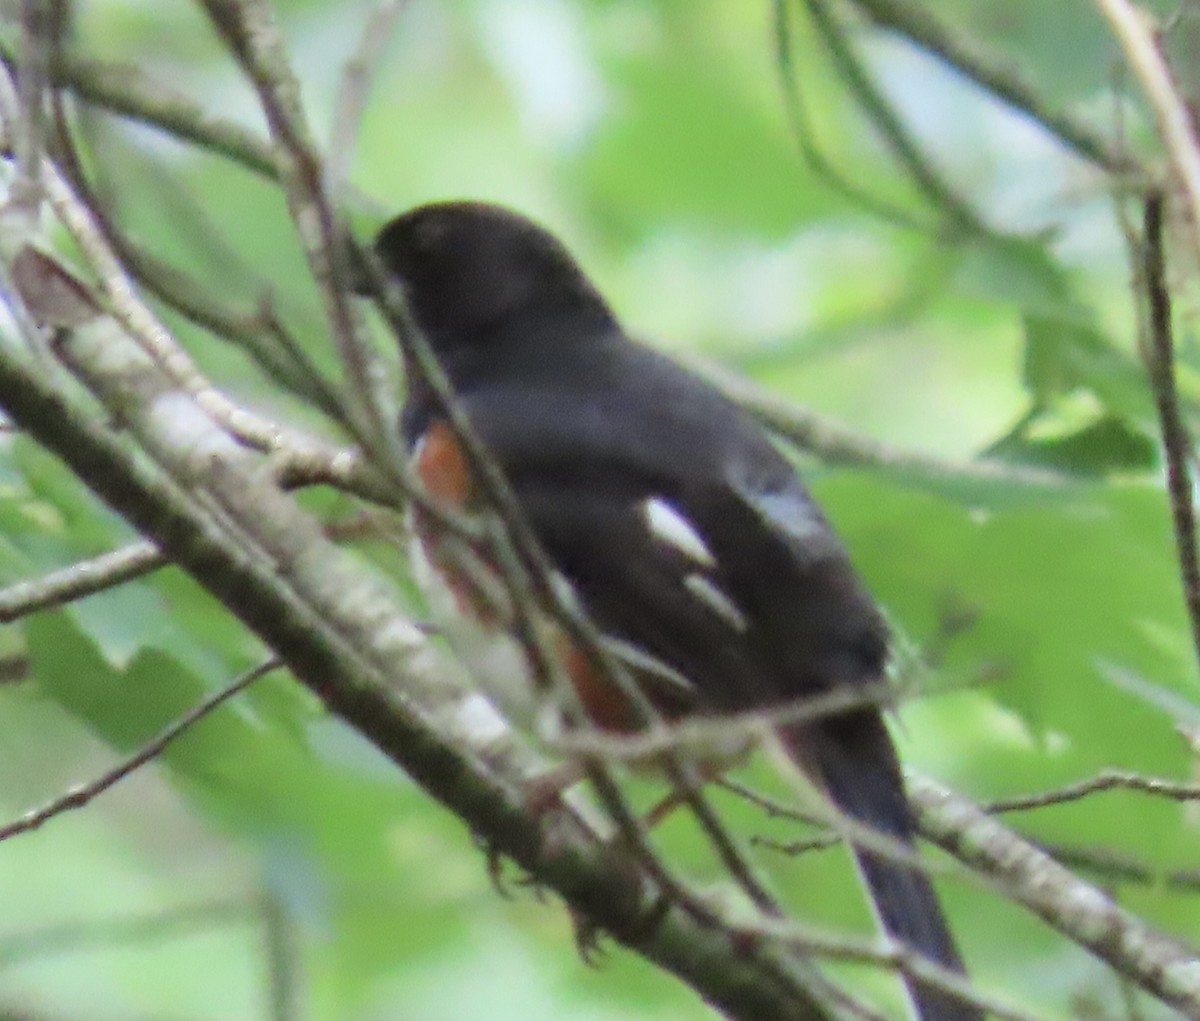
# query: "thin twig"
{"type": "Point", "coordinates": [78, 797]}
{"type": "Point", "coordinates": [687, 782]}
{"type": "Point", "coordinates": [891, 128]}
{"type": "Point", "coordinates": [22, 136]}
{"type": "Point", "coordinates": [255, 329]}
{"type": "Point", "coordinates": [896, 956]}
{"type": "Point", "coordinates": [1109, 779]}
{"type": "Point", "coordinates": [1134, 29]}
{"type": "Point", "coordinates": [1159, 356]}
{"type": "Point", "coordinates": [353, 93]}
{"type": "Point", "coordinates": [1115, 867]}
{"type": "Point", "coordinates": [837, 443]}
{"type": "Point", "coordinates": [750, 726]}
{"type": "Point", "coordinates": [127, 91]}
{"type": "Point", "coordinates": [919, 23]}
{"type": "Point", "coordinates": [37, 31]}
{"type": "Point", "coordinates": [794, 848]}
{"type": "Point", "coordinates": [283, 961]}
{"type": "Point", "coordinates": [251, 32]}
{"type": "Point", "coordinates": [661, 740]}
{"type": "Point", "coordinates": [83, 578]}
{"type": "Point", "coordinates": [258, 431]}
{"type": "Point", "coordinates": [805, 134]}
{"type": "Point", "coordinates": [774, 809]}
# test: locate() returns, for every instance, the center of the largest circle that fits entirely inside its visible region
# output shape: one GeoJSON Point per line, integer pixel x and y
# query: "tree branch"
{"type": "Point", "coordinates": [80, 579]}
{"type": "Point", "coordinates": [1162, 966]}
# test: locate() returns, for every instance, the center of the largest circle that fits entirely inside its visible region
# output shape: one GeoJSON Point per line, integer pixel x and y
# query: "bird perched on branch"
{"type": "Point", "coordinates": [678, 526]}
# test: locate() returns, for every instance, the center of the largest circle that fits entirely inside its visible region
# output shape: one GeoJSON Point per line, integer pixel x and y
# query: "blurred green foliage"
{"type": "Point", "coordinates": [653, 137]}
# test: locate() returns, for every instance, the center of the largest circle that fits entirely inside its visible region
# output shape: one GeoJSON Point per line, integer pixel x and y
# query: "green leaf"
{"type": "Point", "coordinates": [1063, 355]}
{"type": "Point", "coordinates": [1017, 272]}
{"type": "Point", "coordinates": [1107, 445]}
{"type": "Point", "coordinates": [1032, 610]}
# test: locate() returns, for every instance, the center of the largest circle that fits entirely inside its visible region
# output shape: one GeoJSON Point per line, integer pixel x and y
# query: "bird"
{"type": "Point", "coordinates": [671, 516]}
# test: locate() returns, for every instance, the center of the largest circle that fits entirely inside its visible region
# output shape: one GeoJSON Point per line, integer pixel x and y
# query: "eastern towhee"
{"type": "Point", "coordinates": [681, 529]}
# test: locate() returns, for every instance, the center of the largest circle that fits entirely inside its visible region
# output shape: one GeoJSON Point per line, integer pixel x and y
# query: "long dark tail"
{"type": "Point", "coordinates": [853, 758]}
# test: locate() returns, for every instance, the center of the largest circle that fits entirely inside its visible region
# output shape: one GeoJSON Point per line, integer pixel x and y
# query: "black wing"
{"type": "Point", "coordinates": [634, 442]}
{"type": "Point", "coordinates": [686, 535]}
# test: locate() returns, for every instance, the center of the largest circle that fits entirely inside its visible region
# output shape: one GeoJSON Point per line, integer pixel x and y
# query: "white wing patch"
{"type": "Point", "coordinates": [716, 600]}
{"type": "Point", "coordinates": [669, 526]}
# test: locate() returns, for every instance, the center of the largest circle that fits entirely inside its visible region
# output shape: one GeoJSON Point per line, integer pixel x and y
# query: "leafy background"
{"type": "Point", "coordinates": [1042, 621]}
